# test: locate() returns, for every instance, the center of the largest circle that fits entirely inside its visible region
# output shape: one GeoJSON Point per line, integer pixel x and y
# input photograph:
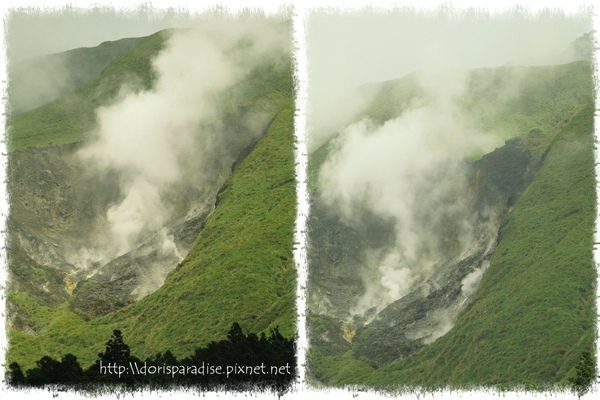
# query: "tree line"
{"type": "Point", "coordinates": [238, 362]}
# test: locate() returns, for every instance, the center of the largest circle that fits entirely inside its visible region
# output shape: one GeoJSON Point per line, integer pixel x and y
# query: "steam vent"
{"type": "Point", "coordinates": [452, 202]}
{"type": "Point", "coordinates": [152, 202]}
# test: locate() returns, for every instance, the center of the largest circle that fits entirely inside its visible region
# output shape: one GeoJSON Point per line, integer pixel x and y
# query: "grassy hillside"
{"type": "Point", "coordinates": [240, 268]}
{"type": "Point", "coordinates": [42, 79]}
{"type": "Point", "coordinates": [70, 118]}
{"type": "Point", "coordinates": [241, 262]}
{"type": "Point", "coordinates": [533, 314]}
{"type": "Point", "coordinates": [508, 101]}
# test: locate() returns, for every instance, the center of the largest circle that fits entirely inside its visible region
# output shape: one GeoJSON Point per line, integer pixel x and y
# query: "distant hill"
{"type": "Point", "coordinates": [239, 267]}
{"type": "Point", "coordinates": [534, 314]}
{"type": "Point", "coordinates": [582, 49]}
{"type": "Point", "coordinates": [39, 80]}
{"type": "Point", "coordinates": [69, 118]}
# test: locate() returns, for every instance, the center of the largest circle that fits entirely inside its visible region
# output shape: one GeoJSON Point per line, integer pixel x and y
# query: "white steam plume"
{"type": "Point", "coordinates": [409, 171]}
{"type": "Point", "coordinates": [141, 209]}
{"type": "Point", "coordinates": [156, 139]}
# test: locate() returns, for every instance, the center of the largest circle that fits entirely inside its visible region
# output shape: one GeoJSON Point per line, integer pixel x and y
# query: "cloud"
{"type": "Point", "coordinates": [173, 136]}
{"type": "Point", "coordinates": [409, 170]}
{"type": "Point", "coordinates": [357, 47]}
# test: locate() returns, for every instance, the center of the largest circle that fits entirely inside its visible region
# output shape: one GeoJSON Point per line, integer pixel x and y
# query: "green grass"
{"type": "Point", "coordinates": [240, 268]}
{"type": "Point", "coordinates": [336, 370]}
{"type": "Point", "coordinates": [516, 100]}
{"type": "Point", "coordinates": [71, 118]}
{"type": "Point", "coordinates": [534, 312]}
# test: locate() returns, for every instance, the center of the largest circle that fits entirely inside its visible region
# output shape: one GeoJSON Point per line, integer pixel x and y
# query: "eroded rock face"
{"type": "Point", "coordinates": [58, 228]}
{"type": "Point", "coordinates": [57, 210]}
{"type": "Point", "coordinates": [339, 251]}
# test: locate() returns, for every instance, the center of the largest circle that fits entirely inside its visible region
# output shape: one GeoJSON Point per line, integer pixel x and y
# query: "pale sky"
{"type": "Point", "coordinates": [346, 49]}
{"type": "Point", "coordinates": [337, 40]}
{"type": "Point", "coordinates": [46, 27]}
{"type": "Point", "coordinates": [44, 32]}
{"type": "Point", "coordinates": [364, 46]}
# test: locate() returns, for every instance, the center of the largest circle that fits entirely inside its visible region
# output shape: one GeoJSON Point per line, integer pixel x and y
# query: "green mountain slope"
{"type": "Point", "coordinates": [534, 312]}
{"type": "Point", "coordinates": [241, 262]}
{"type": "Point", "coordinates": [70, 118]}
{"type": "Point", "coordinates": [42, 79]}
{"type": "Point", "coordinates": [240, 268]}
{"type": "Point", "coordinates": [504, 98]}
{"type": "Point", "coordinates": [508, 101]}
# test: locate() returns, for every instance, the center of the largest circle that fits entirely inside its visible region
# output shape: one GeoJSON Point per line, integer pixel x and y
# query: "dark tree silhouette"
{"type": "Point", "coordinates": [46, 372]}
{"type": "Point", "coordinates": [14, 375]}
{"type": "Point", "coordinates": [116, 355]}
{"type": "Point", "coordinates": [235, 333]}
{"type": "Point", "coordinates": [261, 361]}
{"type": "Point", "coordinates": [585, 373]}
{"type": "Point", "coordinates": [70, 370]}
{"type": "Point", "coordinates": [161, 360]}
{"type": "Point", "coordinates": [116, 349]}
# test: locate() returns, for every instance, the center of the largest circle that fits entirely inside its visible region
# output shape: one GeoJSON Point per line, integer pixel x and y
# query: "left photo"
{"type": "Point", "coordinates": [151, 200]}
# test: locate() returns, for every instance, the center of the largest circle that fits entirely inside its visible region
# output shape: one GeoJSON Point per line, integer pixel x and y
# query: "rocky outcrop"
{"type": "Point", "coordinates": [57, 210]}
{"type": "Point", "coordinates": [57, 223]}
{"type": "Point", "coordinates": [338, 252]}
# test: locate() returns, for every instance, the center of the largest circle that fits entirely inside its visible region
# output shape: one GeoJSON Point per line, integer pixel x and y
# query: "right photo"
{"type": "Point", "coordinates": [452, 200]}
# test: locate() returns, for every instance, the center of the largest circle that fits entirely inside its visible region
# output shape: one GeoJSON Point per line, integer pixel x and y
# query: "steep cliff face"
{"type": "Point", "coordinates": [338, 256]}
{"type": "Point", "coordinates": [113, 186]}
{"type": "Point", "coordinates": [58, 215]}
{"type": "Point", "coordinates": [460, 221]}
{"type": "Point", "coordinates": [428, 312]}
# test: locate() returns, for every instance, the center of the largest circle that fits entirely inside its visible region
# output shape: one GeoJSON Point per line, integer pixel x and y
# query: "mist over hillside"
{"type": "Point", "coordinates": [113, 195]}
{"type": "Point", "coordinates": [409, 205]}
{"type": "Point", "coordinates": [42, 79]}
